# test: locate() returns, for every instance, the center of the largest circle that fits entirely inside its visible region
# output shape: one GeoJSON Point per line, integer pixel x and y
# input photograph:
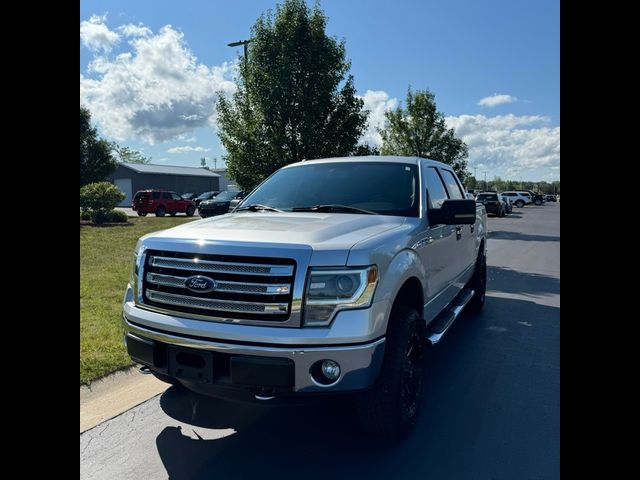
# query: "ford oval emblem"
{"type": "Point", "coordinates": [200, 284]}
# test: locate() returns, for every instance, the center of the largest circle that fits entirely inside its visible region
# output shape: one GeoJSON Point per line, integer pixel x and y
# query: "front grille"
{"type": "Point", "coordinates": [251, 288]}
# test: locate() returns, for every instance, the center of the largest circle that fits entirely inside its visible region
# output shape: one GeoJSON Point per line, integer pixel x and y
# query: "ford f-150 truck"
{"type": "Point", "coordinates": [332, 276]}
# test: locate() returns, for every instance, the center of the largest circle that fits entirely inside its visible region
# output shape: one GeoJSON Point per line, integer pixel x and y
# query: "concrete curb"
{"type": "Point", "coordinates": [114, 394]}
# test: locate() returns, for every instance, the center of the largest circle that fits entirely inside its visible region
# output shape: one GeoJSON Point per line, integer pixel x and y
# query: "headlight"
{"type": "Point", "coordinates": [136, 268]}
{"type": "Point", "coordinates": [331, 290]}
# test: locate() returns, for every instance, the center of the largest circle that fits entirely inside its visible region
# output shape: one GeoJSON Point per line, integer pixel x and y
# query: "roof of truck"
{"type": "Point", "coordinates": [372, 158]}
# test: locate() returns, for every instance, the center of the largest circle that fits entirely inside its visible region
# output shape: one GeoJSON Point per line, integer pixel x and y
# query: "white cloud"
{"type": "Point", "coordinates": [377, 102]}
{"type": "Point", "coordinates": [496, 99]}
{"type": "Point", "coordinates": [163, 159]}
{"type": "Point", "coordinates": [96, 36]}
{"type": "Point", "coordinates": [188, 149]}
{"type": "Point", "coordinates": [131, 30]}
{"type": "Point", "coordinates": [509, 143]}
{"type": "Point", "coordinates": [155, 92]}
{"type": "Point", "coordinates": [186, 139]}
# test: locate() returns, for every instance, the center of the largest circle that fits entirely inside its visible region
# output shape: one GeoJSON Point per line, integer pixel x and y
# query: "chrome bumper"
{"type": "Point", "coordinates": [360, 364]}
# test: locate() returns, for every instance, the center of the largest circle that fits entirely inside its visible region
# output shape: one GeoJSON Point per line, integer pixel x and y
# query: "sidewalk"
{"type": "Point", "coordinates": [114, 394]}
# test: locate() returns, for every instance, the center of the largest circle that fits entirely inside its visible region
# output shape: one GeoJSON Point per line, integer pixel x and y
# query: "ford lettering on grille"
{"type": "Point", "coordinates": [200, 283]}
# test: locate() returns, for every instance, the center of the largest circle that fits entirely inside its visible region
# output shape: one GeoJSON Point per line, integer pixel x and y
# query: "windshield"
{"type": "Point", "coordinates": [225, 196]}
{"type": "Point", "coordinates": [381, 187]}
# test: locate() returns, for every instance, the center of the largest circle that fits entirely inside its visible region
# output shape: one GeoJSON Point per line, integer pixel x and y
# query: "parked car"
{"type": "Point", "coordinates": [205, 196]}
{"type": "Point", "coordinates": [492, 203]}
{"type": "Point", "coordinates": [325, 281]}
{"type": "Point", "coordinates": [219, 204]}
{"type": "Point", "coordinates": [518, 199]}
{"type": "Point", "coordinates": [550, 198]}
{"type": "Point", "coordinates": [161, 202]}
{"type": "Point", "coordinates": [190, 196]}
{"type": "Point", "coordinates": [538, 199]}
{"type": "Point", "coordinates": [508, 208]}
{"type": "Point", "coordinates": [236, 201]}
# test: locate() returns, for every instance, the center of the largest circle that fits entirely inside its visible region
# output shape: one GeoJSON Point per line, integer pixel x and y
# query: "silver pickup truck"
{"type": "Point", "coordinates": [332, 276]}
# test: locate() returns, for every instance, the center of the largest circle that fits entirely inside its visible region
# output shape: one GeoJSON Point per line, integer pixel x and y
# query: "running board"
{"type": "Point", "coordinates": [442, 322]}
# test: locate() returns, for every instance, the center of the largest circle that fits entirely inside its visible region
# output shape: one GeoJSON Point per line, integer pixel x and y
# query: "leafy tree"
{"type": "Point", "coordinates": [470, 182]}
{"type": "Point", "coordinates": [99, 199]}
{"type": "Point", "coordinates": [203, 162]}
{"type": "Point", "coordinates": [96, 160]}
{"type": "Point", "coordinates": [295, 99]}
{"type": "Point", "coordinates": [420, 130]}
{"type": "Point", "coordinates": [126, 155]}
{"type": "Point", "coordinates": [364, 150]}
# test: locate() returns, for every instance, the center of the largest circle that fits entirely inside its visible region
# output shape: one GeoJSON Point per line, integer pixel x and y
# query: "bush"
{"type": "Point", "coordinates": [85, 215]}
{"type": "Point", "coordinates": [99, 199]}
{"type": "Point", "coordinates": [117, 216]}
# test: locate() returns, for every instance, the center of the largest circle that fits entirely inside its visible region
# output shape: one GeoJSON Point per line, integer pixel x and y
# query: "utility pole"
{"type": "Point", "coordinates": [244, 43]}
{"type": "Point", "coordinates": [485, 181]}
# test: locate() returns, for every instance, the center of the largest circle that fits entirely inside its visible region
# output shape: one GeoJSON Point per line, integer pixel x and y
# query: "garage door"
{"type": "Point", "coordinates": [124, 184]}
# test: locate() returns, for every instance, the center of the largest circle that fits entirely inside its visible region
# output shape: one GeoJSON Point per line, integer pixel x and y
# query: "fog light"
{"type": "Point", "coordinates": [330, 369]}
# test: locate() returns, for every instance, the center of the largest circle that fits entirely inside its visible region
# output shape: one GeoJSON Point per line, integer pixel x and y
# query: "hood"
{"type": "Point", "coordinates": [329, 233]}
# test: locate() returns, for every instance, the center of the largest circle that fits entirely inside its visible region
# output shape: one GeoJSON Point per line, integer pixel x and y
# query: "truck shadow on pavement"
{"type": "Point", "coordinates": [503, 235]}
{"type": "Point", "coordinates": [512, 281]}
{"type": "Point", "coordinates": [491, 410]}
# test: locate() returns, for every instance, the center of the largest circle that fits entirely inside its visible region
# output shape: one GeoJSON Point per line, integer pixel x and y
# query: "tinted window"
{"type": "Point", "coordinates": [225, 196]}
{"type": "Point", "coordinates": [176, 196]}
{"type": "Point", "coordinates": [155, 195]}
{"type": "Point", "coordinates": [382, 187]}
{"type": "Point", "coordinates": [436, 194]}
{"type": "Point", "coordinates": [452, 185]}
{"type": "Point", "coordinates": [141, 196]}
{"type": "Point", "coordinates": [166, 196]}
{"type": "Point", "coordinates": [487, 196]}
{"type": "Point", "coordinates": [205, 196]}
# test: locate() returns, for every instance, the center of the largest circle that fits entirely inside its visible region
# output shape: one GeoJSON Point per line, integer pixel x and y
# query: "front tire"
{"type": "Point", "coordinates": [478, 284]}
{"type": "Point", "coordinates": [190, 211]}
{"type": "Point", "coordinates": [391, 407]}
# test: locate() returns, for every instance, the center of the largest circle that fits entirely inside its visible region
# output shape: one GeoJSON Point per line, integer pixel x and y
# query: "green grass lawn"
{"type": "Point", "coordinates": [105, 264]}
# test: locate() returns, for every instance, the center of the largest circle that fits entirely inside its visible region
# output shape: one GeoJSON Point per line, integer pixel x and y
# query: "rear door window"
{"type": "Point", "coordinates": [155, 195]}
{"type": "Point", "coordinates": [436, 193]}
{"type": "Point", "coordinates": [166, 196]}
{"type": "Point", "coordinates": [452, 184]}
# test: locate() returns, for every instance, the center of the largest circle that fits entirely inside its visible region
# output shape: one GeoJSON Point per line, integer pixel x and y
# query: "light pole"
{"type": "Point", "coordinates": [485, 181]}
{"type": "Point", "coordinates": [241, 42]}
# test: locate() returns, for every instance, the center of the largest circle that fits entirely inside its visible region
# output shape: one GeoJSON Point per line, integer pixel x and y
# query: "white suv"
{"type": "Point", "coordinates": [519, 199]}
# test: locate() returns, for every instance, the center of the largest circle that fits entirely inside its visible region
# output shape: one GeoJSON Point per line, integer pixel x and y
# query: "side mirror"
{"type": "Point", "coordinates": [454, 212]}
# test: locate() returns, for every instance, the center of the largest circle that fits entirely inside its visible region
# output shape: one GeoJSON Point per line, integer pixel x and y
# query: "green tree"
{"type": "Point", "coordinates": [364, 150]}
{"type": "Point", "coordinates": [203, 162]}
{"type": "Point", "coordinates": [126, 155]}
{"type": "Point", "coordinates": [420, 130]}
{"type": "Point", "coordinates": [295, 99]}
{"type": "Point", "coordinates": [96, 160]}
{"type": "Point", "coordinates": [471, 182]}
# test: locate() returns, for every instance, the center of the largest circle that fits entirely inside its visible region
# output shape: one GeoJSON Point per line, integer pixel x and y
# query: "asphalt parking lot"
{"type": "Point", "coordinates": [491, 409]}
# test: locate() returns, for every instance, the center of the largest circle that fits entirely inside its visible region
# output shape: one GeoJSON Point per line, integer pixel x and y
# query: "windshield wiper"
{"type": "Point", "coordinates": [333, 208]}
{"type": "Point", "coordinates": [254, 207]}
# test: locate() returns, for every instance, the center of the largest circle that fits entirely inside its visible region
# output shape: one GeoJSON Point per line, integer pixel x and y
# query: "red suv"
{"type": "Point", "coordinates": [161, 202]}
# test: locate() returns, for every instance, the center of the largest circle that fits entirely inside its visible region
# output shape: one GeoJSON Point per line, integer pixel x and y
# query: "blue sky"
{"type": "Point", "coordinates": [149, 71]}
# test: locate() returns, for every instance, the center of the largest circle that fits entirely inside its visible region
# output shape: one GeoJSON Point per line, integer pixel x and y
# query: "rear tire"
{"type": "Point", "coordinates": [519, 203]}
{"type": "Point", "coordinates": [478, 284]}
{"type": "Point", "coordinates": [160, 211]}
{"type": "Point", "coordinates": [190, 211]}
{"type": "Point", "coordinates": [142, 214]}
{"type": "Point", "coordinates": [391, 407]}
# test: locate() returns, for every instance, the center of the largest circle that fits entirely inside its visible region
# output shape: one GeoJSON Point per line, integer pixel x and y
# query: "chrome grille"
{"type": "Point", "coordinates": [251, 288]}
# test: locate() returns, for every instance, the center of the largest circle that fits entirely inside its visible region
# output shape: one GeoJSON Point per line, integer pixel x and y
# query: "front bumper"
{"type": "Point", "coordinates": [360, 364]}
